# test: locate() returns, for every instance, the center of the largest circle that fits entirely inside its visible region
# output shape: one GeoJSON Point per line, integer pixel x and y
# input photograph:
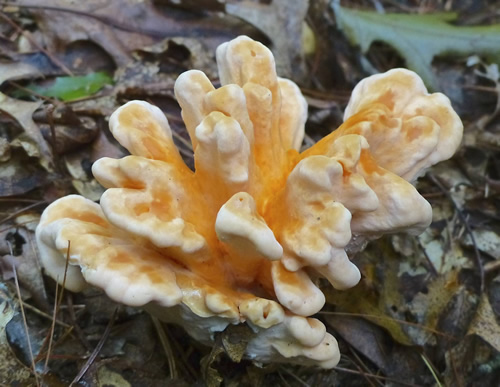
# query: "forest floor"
{"type": "Point", "coordinates": [427, 308]}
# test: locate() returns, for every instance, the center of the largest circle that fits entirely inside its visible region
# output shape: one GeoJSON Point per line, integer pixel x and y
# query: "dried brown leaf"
{"type": "Point", "coordinates": [22, 111]}
{"type": "Point", "coordinates": [118, 26]}
{"type": "Point", "coordinates": [393, 359]}
{"type": "Point", "coordinates": [282, 22]}
{"type": "Point", "coordinates": [485, 324]}
{"type": "Point", "coordinates": [17, 176]}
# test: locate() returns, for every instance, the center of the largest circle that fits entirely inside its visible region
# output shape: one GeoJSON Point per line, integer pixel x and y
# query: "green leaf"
{"type": "Point", "coordinates": [419, 38]}
{"type": "Point", "coordinates": [70, 88]}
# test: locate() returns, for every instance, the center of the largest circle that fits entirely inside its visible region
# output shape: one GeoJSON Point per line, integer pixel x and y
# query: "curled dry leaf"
{"type": "Point", "coordinates": [242, 238]}
{"type": "Point", "coordinates": [22, 111]}
{"type": "Point", "coordinates": [485, 324]}
{"type": "Point", "coordinates": [70, 130]}
{"type": "Point", "coordinates": [17, 176]}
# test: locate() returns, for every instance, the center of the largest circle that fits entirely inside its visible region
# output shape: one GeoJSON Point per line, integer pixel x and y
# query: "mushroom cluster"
{"type": "Point", "coordinates": [245, 236]}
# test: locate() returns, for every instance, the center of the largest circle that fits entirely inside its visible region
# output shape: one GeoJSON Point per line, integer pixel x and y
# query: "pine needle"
{"type": "Point", "coordinates": [18, 290]}
{"type": "Point", "coordinates": [166, 347]}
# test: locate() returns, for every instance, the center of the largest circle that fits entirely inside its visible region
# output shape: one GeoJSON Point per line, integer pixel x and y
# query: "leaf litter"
{"type": "Point", "coordinates": [426, 311]}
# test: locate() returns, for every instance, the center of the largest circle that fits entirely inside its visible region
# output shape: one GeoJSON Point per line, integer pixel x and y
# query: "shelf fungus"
{"type": "Point", "coordinates": [246, 237]}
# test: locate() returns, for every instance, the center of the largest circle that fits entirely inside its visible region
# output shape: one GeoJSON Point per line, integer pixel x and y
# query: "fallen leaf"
{"type": "Point", "coordinates": [472, 362]}
{"type": "Point", "coordinates": [4, 150]}
{"type": "Point", "coordinates": [29, 270]}
{"type": "Point", "coordinates": [378, 298]}
{"type": "Point", "coordinates": [395, 360]}
{"type": "Point", "coordinates": [210, 374]}
{"type": "Point", "coordinates": [486, 241]}
{"type": "Point", "coordinates": [120, 26]}
{"type": "Point", "coordinates": [17, 176]}
{"type": "Point", "coordinates": [13, 373]}
{"type": "Point", "coordinates": [14, 70]}
{"type": "Point", "coordinates": [22, 111]}
{"type": "Point", "coordinates": [485, 324]}
{"type": "Point", "coordinates": [443, 306]}
{"type": "Point", "coordinates": [71, 130]}
{"type": "Point", "coordinates": [235, 339]}
{"type": "Point", "coordinates": [78, 165]}
{"type": "Point", "coordinates": [282, 22]}
{"type": "Point", "coordinates": [418, 38]}
{"type": "Point", "coordinates": [182, 54]}
{"type": "Point", "coordinates": [71, 88]}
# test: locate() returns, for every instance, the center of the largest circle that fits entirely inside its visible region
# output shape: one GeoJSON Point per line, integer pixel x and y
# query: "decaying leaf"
{"type": "Point", "coordinates": [235, 339]}
{"type": "Point", "coordinates": [13, 71]}
{"type": "Point", "coordinates": [11, 370]}
{"type": "Point", "coordinates": [380, 305]}
{"type": "Point", "coordinates": [28, 267]}
{"type": "Point", "coordinates": [119, 26]}
{"type": "Point", "coordinates": [485, 324]}
{"type": "Point", "coordinates": [69, 130]}
{"type": "Point", "coordinates": [443, 252]}
{"type": "Point", "coordinates": [395, 360]}
{"type": "Point", "coordinates": [181, 54]}
{"type": "Point", "coordinates": [487, 241]}
{"type": "Point", "coordinates": [17, 176]}
{"type": "Point", "coordinates": [418, 38]}
{"type": "Point", "coordinates": [78, 165]}
{"type": "Point", "coordinates": [210, 374]}
{"type": "Point", "coordinates": [22, 111]}
{"type": "Point", "coordinates": [445, 306]}
{"type": "Point", "coordinates": [4, 150]}
{"type": "Point", "coordinates": [472, 362]}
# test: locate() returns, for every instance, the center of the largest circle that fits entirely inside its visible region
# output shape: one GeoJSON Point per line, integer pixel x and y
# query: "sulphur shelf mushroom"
{"type": "Point", "coordinates": [244, 238]}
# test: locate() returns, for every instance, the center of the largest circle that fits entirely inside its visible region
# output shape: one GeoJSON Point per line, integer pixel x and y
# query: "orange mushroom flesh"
{"type": "Point", "coordinates": [237, 239]}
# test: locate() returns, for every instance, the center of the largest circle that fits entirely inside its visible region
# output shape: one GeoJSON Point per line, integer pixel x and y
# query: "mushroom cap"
{"type": "Point", "coordinates": [244, 236]}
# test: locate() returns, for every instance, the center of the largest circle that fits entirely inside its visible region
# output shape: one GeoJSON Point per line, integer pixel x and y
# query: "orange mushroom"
{"type": "Point", "coordinates": [238, 239]}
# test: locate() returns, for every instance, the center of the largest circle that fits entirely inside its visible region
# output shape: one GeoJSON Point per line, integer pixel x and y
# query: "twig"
{"type": "Point", "coordinates": [19, 200]}
{"type": "Point", "coordinates": [166, 347]}
{"type": "Point", "coordinates": [53, 137]}
{"type": "Point", "coordinates": [127, 27]}
{"type": "Point", "coordinates": [97, 349]}
{"type": "Point", "coordinates": [455, 372]}
{"type": "Point", "coordinates": [362, 368]}
{"type": "Point", "coordinates": [52, 329]}
{"type": "Point", "coordinates": [347, 370]}
{"type": "Point", "coordinates": [45, 315]}
{"type": "Point", "coordinates": [283, 379]}
{"type": "Point", "coordinates": [71, 312]}
{"type": "Point", "coordinates": [182, 140]}
{"type": "Point", "coordinates": [428, 259]}
{"type": "Point", "coordinates": [52, 58]}
{"type": "Point", "coordinates": [41, 355]}
{"type": "Point", "coordinates": [21, 211]}
{"type": "Point", "coordinates": [492, 266]}
{"type": "Point", "coordinates": [403, 322]}
{"type": "Point", "coordinates": [31, 92]}
{"type": "Point", "coordinates": [464, 221]}
{"type": "Point", "coordinates": [57, 302]}
{"type": "Point", "coordinates": [183, 355]}
{"type": "Point", "coordinates": [301, 382]}
{"type": "Point", "coordinates": [25, 322]}
{"type": "Point", "coordinates": [431, 368]}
